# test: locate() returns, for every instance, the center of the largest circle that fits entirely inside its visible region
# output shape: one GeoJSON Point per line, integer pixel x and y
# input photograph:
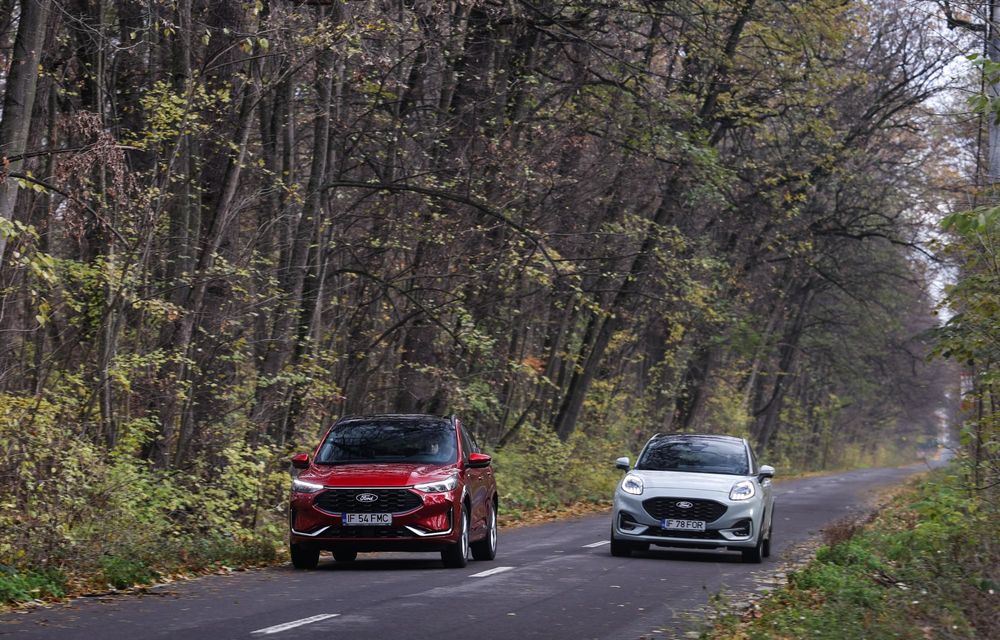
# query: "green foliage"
{"type": "Point", "coordinates": [120, 571]}
{"type": "Point", "coordinates": [242, 492]}
{"type": "Point", "coordinates": [971, 334]}
{"type": "Point", "coordinates": [199, 292]}
{"type": "Point", "coordinates": [539, 471]}
{"type": "Point", "coordinates": [923, 568]}
{"type": "Point", "coordinates": [18, 586]}
{"type": "Point", "coordinates": [727, 410]}
{"type": "Point", "coordinates": [110, 519]}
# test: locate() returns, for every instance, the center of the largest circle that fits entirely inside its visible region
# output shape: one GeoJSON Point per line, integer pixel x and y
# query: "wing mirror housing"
{"type": "Point", "coordinates": [479, 460]}
{"type": "Point", "coordinates": [623, 463]}
{"type": "Point", "coordinates": [766, 471]}
{"type": "Point", "coordinates": [300, 461]}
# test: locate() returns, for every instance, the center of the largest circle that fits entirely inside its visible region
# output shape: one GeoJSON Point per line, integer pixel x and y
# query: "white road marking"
{"type": "Point", "coordinates": [278, 628]}
{"type": "Point", "coordinates": [596, 544]}
{"type": "Point", "coordinates": [491, 572]}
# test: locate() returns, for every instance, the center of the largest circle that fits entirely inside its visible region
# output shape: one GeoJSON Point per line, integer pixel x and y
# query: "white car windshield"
{"type": "Point", "coordinates": [695, 455]}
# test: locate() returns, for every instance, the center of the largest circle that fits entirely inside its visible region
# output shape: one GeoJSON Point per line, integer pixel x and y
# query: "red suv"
{"type": "Point", "coordinates": [394, 483]}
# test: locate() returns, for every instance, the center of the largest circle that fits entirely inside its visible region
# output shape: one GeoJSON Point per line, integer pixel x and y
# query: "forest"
{"type": "Point", "coordinates": [573, 223]}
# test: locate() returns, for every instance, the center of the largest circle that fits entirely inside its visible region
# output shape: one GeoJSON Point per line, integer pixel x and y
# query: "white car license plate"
{"type": "Point", "coordinates": [683, 525]}
{"type": "Point", "coordinates": [366, 519]}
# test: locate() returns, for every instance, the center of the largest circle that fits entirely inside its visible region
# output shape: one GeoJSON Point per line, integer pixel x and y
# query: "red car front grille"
{"type": "Point", "coordinates": [386, 501]}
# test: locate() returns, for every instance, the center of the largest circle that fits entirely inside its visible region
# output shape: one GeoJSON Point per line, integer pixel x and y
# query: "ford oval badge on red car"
{"type": "Point", "coordinates": [366, 497]}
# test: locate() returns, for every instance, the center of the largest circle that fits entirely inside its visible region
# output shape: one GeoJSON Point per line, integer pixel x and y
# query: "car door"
{"type": "Point", "coordinates": [477, 482]}
{"type": "Point", "coordinates": [765, 488]}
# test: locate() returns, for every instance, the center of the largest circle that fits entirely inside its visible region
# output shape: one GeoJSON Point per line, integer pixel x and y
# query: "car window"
{"type": "Point", "coordinates": [428, 441]}
{"type": "Point", "coordinates": [692, 455]}
{"type": "Point", "coordinates": [468, 446]}
{"type": "Point", "coordinates": [472, 441]}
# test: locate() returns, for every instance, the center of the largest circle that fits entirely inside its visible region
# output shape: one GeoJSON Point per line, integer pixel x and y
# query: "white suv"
{"type": "Point", "coordinates": [694, 491]}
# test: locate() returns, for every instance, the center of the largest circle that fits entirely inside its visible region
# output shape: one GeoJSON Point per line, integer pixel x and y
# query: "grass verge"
{"type": "Point", "coordinates": [925, 566]}
{"type": "Point", "coordinates": [126, 569]}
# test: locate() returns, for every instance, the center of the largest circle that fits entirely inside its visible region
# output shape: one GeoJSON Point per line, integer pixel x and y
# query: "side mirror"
{"type": "Point", "coordinates": [479, 460]}
{"type": "Point", "coordinates": [300, 461]}
{"type": "Point", "coordinates": [766, 471]}
{"type": "Point", "coordinates": [622, 463]}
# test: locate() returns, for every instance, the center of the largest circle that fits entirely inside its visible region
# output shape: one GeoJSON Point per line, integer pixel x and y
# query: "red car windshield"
{"type": "Point", "coordinates": [418, 441]}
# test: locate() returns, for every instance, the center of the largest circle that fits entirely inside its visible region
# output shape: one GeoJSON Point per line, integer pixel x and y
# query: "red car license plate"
{"type": "Point", "coordinates": [366, 519]}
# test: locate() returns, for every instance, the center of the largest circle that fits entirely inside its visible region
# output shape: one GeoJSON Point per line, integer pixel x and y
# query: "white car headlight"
{"type": "Point", "coordinates": [438, 486]}
{"type": "Point", "coordinates": [742, 490]}
{"type": "Point", "coordinates": [632, 484]}
{"type": "Point", "coordinates": [301, 486]}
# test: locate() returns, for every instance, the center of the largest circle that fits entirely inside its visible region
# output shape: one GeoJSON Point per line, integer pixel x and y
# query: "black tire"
{"type": "Point", "coordinates": [345, 555]}
{"type": "Point", "coordinates": [756, 554]}
{"type": "Point", "coordinates": [457, 555]}
{"type": "Point", "coordinates": [766, 550]}
{"type": "Point", "coordinates": [620, 548]}
{"type": "Point", "coordinates": [303, 556]}
{"type": "Point", "coordinates": [486, 549]}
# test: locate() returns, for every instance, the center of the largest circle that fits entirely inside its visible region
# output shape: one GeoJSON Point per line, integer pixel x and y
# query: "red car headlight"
{"type": "Point", "coordinates": [438, 486]}
{"type": "Point", "coordinates": [301, 486]}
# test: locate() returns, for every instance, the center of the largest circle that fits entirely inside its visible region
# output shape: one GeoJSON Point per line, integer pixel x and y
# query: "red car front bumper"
{"type": "Point", "coordinates": [416, 521]}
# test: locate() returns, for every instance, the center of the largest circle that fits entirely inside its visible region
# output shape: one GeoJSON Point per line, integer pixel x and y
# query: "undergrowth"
{"type": "Point", "coordinates": [540, 472]}
{"type": "Point", "coordinates": [926, 566]}
{"type": "Point", "coordinates": [77, 518]}
{"type": "Point", "coordinates": [97, 520]}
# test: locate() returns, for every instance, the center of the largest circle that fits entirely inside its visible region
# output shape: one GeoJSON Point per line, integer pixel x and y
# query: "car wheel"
{"type": "Point", "coordinates": [345, 555]}
{"type": "Point", "coordinates": [756, 554]}
{"type": "Point", "coordinates": [303, 556]}
{"type": "Point", "coordinates": [457, 555]}
{"type": "Point", "coordinates": [766, 550]}
{"type": "Point", "coordinates": [620, 548]}
{"type": "Point", "coordinates": [486, 549]}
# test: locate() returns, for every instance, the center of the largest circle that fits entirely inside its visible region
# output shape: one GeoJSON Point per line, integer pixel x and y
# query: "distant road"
{"type": "Point", "coordinates": [553, 581]}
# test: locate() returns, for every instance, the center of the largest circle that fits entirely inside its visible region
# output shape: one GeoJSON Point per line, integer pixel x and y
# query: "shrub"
{"type": "Point", "coordinates": [24, 586]}
{"type": "Point", "coordinates": [72, 512]}
{"type": "Point", "coordinates": [124, 571]}
{"type": "Point", "coordinates": [923, 568]}
{"type": "Point", "coordinates": [539, 471]}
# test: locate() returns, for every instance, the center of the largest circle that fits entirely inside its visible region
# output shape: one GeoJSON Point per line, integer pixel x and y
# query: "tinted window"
{"type": "Point", "coordinates": [473, 447]}
{"type": "Point", "coordinates": [694, 455]}
{"type": "Point", "coordinates": [467, 446]}
{"type": "Point", "coordinates": [429, 440]}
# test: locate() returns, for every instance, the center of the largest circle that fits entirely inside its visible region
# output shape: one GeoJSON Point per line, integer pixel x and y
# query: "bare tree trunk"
{"type": "Point", "coordinates": [288, 324]}
{"type": "Point", "coordinates": [19, 100]}
{"type": "Point", "coordinates": [583, 376]}
{"type": "Point", "coordinates": [993, 91]}
{"type": "Point", "coordinates": [767, 424]}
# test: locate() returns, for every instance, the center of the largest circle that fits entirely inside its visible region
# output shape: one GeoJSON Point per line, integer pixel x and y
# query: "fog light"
{"type": "Point", "coordinates": [742, 528]}
{"type": "Point", "coordinates": [439, 522]}
{"type": "Point", "coordinates": [626, 522]}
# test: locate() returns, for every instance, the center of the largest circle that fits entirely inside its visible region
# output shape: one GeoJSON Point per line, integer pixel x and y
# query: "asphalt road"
{"type": "Point", "coordinates": [555, 580]}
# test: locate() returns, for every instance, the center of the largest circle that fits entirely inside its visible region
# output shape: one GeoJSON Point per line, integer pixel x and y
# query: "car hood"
{"type": "Point", "coordinates": [376, 475]}
{"type": "Point", "coordinates": [683, 480]}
